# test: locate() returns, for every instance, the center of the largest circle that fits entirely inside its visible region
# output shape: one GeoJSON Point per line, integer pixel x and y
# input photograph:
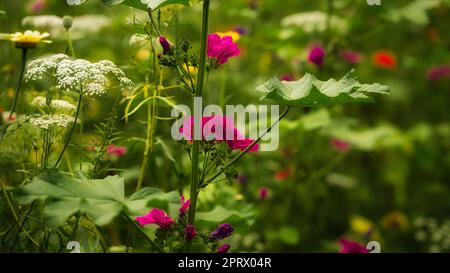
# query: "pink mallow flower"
{"type": "Point", "coordinates": [116, 150]}
{"type": "Point", "coordinates": [223, 248]}
{"type": "Point", "coordinates": [348, 246]}
{"type": "Point", "coordinates": [218, 128]}
{"type": "Point", "coordinates": [184, 206]}
{"type": "Point", "coordinates": [221, 48]}
{"type": "Point", "coordinates": [263, 192]}
{"type": "Point", "coordinates": [339, 145]}
{"type": "Point", "coordinates": [438, 72]}
{"type": "Point", "coordinates": [157, 217]}
{"type": "Point", "coordinates": [316, 55]}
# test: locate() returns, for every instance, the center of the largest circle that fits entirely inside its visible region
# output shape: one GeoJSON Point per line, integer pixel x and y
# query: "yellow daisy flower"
{"type": "Point", "coordinates": [27, 39]}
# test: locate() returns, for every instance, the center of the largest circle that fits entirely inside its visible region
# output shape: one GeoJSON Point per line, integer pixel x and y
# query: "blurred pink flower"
{"type": "Point", "coordinates": [351, 57]}
{"type": "Point", "coordinates": [317, 55]}
{"type": "Point", "coordinates": [158, 217]}
{"type": "Point", "coordinates": [287, 77]}
{"type": "Point", "coordinates": [223, 248]}
{"type": "Point", "coordinates": [218, 128]}
{"type": "Point", "coordinates": [438, 72]}
{"type": "Point", "coordinates": [221, 48]}
{"type": "Point", "coordinates": [339, 145]}
{"type": "Point", "coordinates": [38, 5]}
{"type": "Point", "coordinates": [348, 246]}
{"type": "Point", "coordinates": [184, 206]}
{"type": "Point", "coordinates": [116, 150]}
{"type": "Point", "coordinates": [263, 192]}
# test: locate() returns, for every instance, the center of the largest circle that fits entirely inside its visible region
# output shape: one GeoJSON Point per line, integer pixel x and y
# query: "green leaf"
{"type": "Point", "coordinates": [144, 4]}
{"type": "Point", "coordinates": [240, 220]}
{"type": "Point", "coordinates": [155, 4]}
{"type": "Point", "coordinates": [311, 92]}
{"type": "Point", "coordinates": [101, 199]}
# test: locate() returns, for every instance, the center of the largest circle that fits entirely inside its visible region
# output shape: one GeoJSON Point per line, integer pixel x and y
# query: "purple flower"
{"type": "Point", "coordinates": [221, 48]}
{"type": "Point", "coordinates": [223, 248]}
{"type": "Point", "coordinates": [316, 55]}
{"type": "Point", "coordinates": [190, 232]}
{"type": "Point", "coordinates": [222, 231]}
{"type": "Point", "coordinates": [241, 30]}
{"type": "Point", "coordinates": [165, 44]}
{"type": "Point", "coordinates": [242, 179]}
{"type": "Point", "coordinates": [438, 72]}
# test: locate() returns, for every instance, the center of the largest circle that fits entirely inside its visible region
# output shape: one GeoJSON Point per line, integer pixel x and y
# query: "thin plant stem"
{"type": "Point", "coordinates": [138, 228]}
{"type": "Point", "coordinates": [23, 63]}
{"type": "Point", "coordinates": [71, 129]}
{"type": "Point", "coordinates": [196, 143]}
{"type": "Point", "coordinates": [70, 44]}
{"type": "Point", "coordinates": [19, 82]}
{"type": "Point", "coordinates": [242, 153]}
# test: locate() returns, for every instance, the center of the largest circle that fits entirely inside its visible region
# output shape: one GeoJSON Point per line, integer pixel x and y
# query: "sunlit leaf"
{"type": "Point", "coordinates": [311, 92]}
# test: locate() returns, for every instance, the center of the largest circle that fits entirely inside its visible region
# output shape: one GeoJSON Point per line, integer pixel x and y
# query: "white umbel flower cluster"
{"type": "Point", "coordinates": [63, 105]}
{"type": "Point", "coordinates": [91, 79]}
{"type": "Point", "coordinates": [47, 121]}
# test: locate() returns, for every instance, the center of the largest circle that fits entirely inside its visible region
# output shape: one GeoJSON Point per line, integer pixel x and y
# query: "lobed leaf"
{"type": "Point", "coordinates": [311, 92]}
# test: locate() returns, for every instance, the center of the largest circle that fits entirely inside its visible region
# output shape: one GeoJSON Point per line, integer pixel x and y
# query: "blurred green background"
{"type": "Point", "coordinates": [391, 184]}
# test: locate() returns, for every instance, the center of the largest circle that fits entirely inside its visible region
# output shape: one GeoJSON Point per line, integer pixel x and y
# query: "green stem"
{"type": "Point", "coordinates": [23, 63]}
{"type": "Point", "coordinates": [241, 154]}
{"type": "Point", "coordinates": [19, 83]}
{"type": "Point", "coordinates": [196, 143]}
{"type": "Point", "coordinates": [138, 228]}
{"type": "Point", "coordinates": [71, 129]}
{"type": "Point", "coordinates": [70, 44]}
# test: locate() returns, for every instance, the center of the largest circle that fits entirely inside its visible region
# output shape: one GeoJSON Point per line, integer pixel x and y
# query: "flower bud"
{"type": "Point", "coordinates": [165, 44]}
{"type": "Point", "coordinates": [67, 22]}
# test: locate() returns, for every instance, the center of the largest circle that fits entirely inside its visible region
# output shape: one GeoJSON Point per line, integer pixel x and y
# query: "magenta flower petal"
{"type": "Point", "coordinates": [317, 55]}
{"type": "Point", "coordinates": [157, 217]}
{"type": "Point", "coordinates": [221, 48]}
{"type": "Point", "coordinates": [223, 248]}
{"type": "Point", "coordinates": [184, 206]}
{"type": "Point", "coordinates": [190, 232]}
{"type": "Point", "coordinates": [348, 246]}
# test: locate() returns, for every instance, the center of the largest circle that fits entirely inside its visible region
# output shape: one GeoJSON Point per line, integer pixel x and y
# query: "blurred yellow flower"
{"type": "Point", "coordinates": [361, 225]}
{"type": "Point", "coordinates": [233, 34]}
{"type": "Point", "coordinates": [27, 39]}
{"type": "Point", "coordinates": [10, 93]}
{"type": "Point", "coordinates": [142, 54]}
{"type": "Point", "coordinates": [394, 220]}
{"type": "Point", "coordinates": [192, 70]}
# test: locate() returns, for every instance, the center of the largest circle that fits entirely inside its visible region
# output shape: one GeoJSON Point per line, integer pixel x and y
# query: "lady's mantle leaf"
{"type": "Point", "coordinates": [311, 92]}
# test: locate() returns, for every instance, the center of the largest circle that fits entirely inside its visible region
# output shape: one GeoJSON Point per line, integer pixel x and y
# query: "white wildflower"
{"type": "Point", "coordinates": [312, 21]}
{"type": "Point", "coordinates": [48, 121]}
{"type": "Point", "coordinates": [40, 101]}
{"type": "Point", "coordinates": [83, 26]}
{"type": "Point", "coordinates": [79, 75]}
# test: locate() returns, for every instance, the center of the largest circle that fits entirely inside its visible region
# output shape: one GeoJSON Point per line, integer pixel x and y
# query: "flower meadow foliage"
{"type": "Point", "coordinates": [87, 101]}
